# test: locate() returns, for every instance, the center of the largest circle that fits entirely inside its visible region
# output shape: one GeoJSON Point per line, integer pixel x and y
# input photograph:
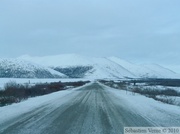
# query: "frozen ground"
{"type": "Point", "coordinates": [159, 113]}
{"type": "Point", "coordinates": [144, 86]}
{"type": "Point", "coordinates": [175, 100]}
{"type": "Point", "coordinates": [155, 87]}
{"type": "Point", "coordinates": [33, 81]}
{"type": "Point", "coordinates": [92, 109]}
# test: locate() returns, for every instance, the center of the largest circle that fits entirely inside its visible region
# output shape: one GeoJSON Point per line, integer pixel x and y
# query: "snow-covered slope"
{"type": "Point", "coordinates": [16, 68]}
{"type": "Point", "coordinates": [104, 68]}
{"type": "Point", "coordinates": [74, 65]}
{"type": "Point", "coordinates": [64, 60]}
{"type": "Point", "coordinates": [162, 71]}
{"type": "Point", "coordinates": [81, 66]}
{"type": "Point", "coordinates": [146, 71]}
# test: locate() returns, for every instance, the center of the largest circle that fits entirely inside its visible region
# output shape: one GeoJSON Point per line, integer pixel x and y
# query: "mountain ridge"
{"type": "Point", "coordinates": [106, 67]}
{"type": "Point", "coordinates": [17, 68]}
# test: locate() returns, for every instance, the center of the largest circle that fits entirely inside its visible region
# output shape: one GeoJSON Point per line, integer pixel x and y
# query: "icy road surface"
{"type": "Point", "coordinates": [93, 109]}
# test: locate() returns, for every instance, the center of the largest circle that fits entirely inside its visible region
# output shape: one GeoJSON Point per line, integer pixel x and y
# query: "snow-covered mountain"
{"type": "Point", "coordinates": [146, 71]}
{"type": "Point", "coordinates": [63, 60]}
{"type": "Point", "coordinates": [16, 68]}
{"type": "Point", "coordinates": [77, 66]}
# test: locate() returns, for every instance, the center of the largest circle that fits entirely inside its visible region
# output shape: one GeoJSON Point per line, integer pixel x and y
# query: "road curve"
{"type": "Point", "coordinates": [89, 110]}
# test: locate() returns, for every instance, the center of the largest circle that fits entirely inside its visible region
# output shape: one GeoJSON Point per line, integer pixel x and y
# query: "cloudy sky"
{"type": "Point", "coordinates": [135, 30]}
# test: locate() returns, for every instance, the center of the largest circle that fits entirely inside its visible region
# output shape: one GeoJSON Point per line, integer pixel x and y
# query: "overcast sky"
{"type": "Point", "coordinates": [135, 30]}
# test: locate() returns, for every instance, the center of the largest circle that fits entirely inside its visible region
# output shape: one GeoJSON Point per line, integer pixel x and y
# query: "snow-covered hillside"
{"type": "Point", "coordinates": [78, 66]}
{"type": "Point", "coordinates": [64, 60]}
{"type": "Point", "coordinates": [162, 70]}
{"type": "Point", "coordinates": [104, 68]}
{"type": "Point", "coordinates": [146, 71]}
{"type": "Point", "coordinates": [16, 68]}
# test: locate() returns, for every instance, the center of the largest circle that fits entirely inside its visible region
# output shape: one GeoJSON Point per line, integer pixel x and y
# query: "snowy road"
{"type": "Point", "coordinates": [88, 110]}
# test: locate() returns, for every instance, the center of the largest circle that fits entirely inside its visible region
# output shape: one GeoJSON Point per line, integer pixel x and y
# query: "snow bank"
{"type": "Point", "coordinates": [158, 113]}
